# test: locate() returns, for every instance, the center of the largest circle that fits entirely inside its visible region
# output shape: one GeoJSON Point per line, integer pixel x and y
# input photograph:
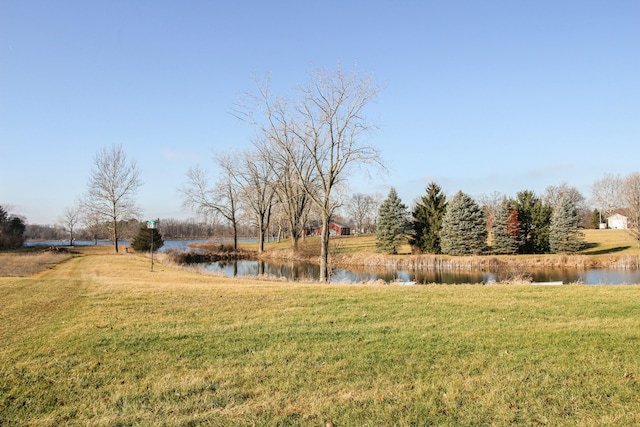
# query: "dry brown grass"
{"type": "Point", "coordinates": [33, 260]}
{"type": "Point", "coordinates": [444, 262]}
{"type": "Point", "coordinates": [28, 264]}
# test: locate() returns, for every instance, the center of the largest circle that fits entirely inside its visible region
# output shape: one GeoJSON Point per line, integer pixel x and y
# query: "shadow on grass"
{"type": "Point", "coordinates": [587, 249]}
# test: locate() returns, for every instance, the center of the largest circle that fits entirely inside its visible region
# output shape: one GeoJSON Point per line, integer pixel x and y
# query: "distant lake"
{"type": "Point", "coordinates": [180, 245]}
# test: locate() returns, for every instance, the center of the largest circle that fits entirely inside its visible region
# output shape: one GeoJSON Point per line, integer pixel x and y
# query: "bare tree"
{"type": "Point", "coordinates": [71, 217]}
{"type": "Point", "coordinates": [112, 186]}
{"type": "Point", "coordinates": [220, 199]}
{"type": "Point", "coordinates": [327, 126]}
{"type": "Point", "coordinates": [295, 178]}
{"type": "Point", "coordinates": [554, 194]}
{"type": "Point", "coordinates": [360, 208]}
{"type": "Point", "coordinates": [292, 166]}
{"type": "Point", "coordinates": [93, 223]}
{"type": "Point", "coordinates": [256, 180]}
{"type": "Point", "coordinates": [606, 194]}
{"type": "Point", "coordinates": [631, 200]}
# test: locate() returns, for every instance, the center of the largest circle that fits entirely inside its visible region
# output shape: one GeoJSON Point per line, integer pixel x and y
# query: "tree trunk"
{"type": "Point", "coordinates": [324, 249]}
{"type": "Point", "coordinates": [295, 238]}
{"type": "Point", "coordinates": [235, 236]}
{"type": "Point", "coordinates": [115, 236]}
{"type": "Point", "coordinates": [261, 235]}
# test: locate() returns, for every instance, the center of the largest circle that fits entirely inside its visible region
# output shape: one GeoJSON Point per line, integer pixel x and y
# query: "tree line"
{"type": "Point", "coordinates": [187, 229]}
{"type": "Point", "coordinates": [526, 224]}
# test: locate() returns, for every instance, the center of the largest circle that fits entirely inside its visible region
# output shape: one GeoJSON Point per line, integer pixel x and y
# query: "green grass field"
{"type": "Point", "coordinates": [102, 340]}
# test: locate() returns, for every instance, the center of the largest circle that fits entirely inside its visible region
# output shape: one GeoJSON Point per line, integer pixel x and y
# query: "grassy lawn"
{"type": "Point", "coordinates": [597, 242]}
{"type": "Point", "coordinates": [610, 242]}
{"type": "Point", "coordinates": [102, 340]}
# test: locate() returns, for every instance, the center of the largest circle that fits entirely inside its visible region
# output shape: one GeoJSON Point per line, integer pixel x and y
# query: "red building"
{"type": "Point", "coordinates": [335, 229]}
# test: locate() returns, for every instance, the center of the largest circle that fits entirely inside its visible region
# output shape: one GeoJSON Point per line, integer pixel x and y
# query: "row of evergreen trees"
{"type": "Point", "coordinates": [522, 225]}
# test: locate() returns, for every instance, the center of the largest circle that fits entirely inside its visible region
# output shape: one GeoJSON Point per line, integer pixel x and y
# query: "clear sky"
{"type": "Point", "coordinates": [479, 96]}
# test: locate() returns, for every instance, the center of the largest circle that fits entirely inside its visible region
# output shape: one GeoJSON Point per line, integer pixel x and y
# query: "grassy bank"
{"type": "Point", "coordinates": [102, 340]}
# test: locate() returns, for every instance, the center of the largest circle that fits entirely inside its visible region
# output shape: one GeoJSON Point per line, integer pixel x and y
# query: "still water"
{"type": "Point", "coordinates": [178, 245]}
{"type": "Point", "coordinates": [309, 272]}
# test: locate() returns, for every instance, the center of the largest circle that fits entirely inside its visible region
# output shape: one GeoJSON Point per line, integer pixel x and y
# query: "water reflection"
{"type": "Point", "coordinates": [301, 271]}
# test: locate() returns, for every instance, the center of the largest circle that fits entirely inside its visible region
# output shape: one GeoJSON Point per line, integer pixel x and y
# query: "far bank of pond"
{"type": "Point", "coordinates": [305, 271]}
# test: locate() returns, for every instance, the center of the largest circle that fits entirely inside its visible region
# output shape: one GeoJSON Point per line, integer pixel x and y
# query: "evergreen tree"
{"type": "Point", "coordinates": [534, 217]}
{"type": "Point", "coordinates": [564, 235]}
{"type": "Point", "coordinates": [505, 230]}
{"type": "Point", "coordinates": [142, 241]}
{"type": "Point", "coordinates": [393, 224]}
{"type": "Point", "coordinates": [427, 220]}
{"type": "Point", "coordinates": [11, 230]}
{"type": "Point", "coordinates": [595, 219]}
{"type": "Point", "coordinates": [464, 228]}
{"type": "Point", "coordinates": [541, 217]}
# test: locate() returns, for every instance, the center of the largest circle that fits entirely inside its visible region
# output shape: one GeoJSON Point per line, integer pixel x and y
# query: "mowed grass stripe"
{"type": "Point", "coordinates": [102, 340]}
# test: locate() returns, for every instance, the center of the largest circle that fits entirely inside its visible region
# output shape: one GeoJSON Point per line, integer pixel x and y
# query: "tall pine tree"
{"type": "Point", "coordinates": [564, 234]}
{"type": "Point", "coordinates": [505, 230]}
{"type": "Point", "coordinates": [534, 217]}
{"type": "Point", "coordinates": [464, 228]}
{"type": "Point", "coordinates": [393, 224]}
{"type": "Point", "coordinates": [427, 220]}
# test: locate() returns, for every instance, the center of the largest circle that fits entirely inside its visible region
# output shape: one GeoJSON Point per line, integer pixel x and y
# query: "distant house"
{"type": "Point", "coordinates": [335, 229]}
{"type": "Point", "coordinates": [313, 229]}
{"type": "Point", "coordinates": [617, 222]}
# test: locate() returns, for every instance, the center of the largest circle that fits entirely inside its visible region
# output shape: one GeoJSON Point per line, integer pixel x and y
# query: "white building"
{"type": "Point", "coordinates": [617, 222]}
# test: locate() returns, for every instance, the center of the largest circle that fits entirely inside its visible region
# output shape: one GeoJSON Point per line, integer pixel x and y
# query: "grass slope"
{"type": "Point", "coordinates": [101, 340]}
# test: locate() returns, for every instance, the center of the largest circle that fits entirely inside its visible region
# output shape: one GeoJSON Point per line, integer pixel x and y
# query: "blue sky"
{"type": "Point", "coordinates": [479, 96]}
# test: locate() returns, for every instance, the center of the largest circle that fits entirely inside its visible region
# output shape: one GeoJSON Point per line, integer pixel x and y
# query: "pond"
{"type": "Point", "coordinates": [300, 271]}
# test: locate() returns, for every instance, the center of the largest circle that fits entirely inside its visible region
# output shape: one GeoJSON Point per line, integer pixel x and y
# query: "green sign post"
{"type": "Point", "coordinates": [152, 225]}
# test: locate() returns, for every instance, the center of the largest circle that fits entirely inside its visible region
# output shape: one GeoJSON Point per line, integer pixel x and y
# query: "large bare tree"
{"type": "Point", "coordinates": [332, 128]}
{"type": "Point", "coordinates": [289, 178]}
{"type": "Point", "coordinates": [327, 124]}
{"type": "Point", "coordinates": [111, 189]}
{"type": "Point", "coordinates": [274, 118]}
{"type": "Point", "coordinates": [220, 199]}
{"type": "Point", "coordinates": [257, 182]}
